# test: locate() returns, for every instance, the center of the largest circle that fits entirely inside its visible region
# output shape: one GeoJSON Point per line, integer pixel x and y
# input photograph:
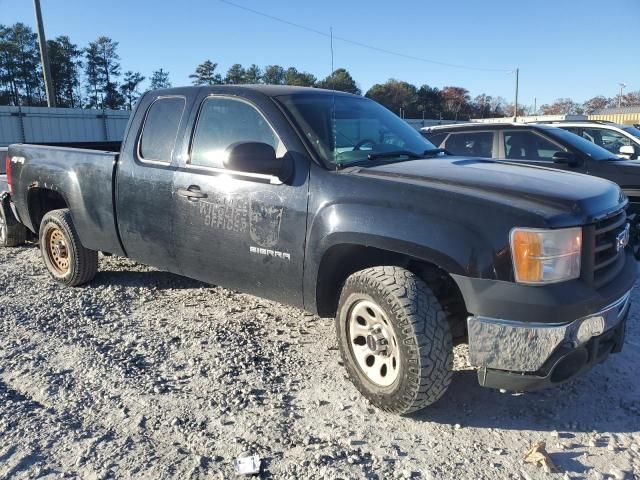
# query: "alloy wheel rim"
{"type": "Point", "coordinates": [373, 343]}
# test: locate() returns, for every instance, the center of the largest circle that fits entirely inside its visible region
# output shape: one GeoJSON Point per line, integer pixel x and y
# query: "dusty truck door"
{"type": "Point", "coordinates": [144, 199]}
{"type": "Point", "coordinates": [236, 229]}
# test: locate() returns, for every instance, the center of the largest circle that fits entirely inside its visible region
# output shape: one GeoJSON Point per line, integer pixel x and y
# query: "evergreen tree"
{"type": "Point", "coordinates": [103, 70]}
{"type": "Point", "coordinates": [273, 75]}
{"type": "Point", "coordinates": [205, 74]}
{"type": "Point", "coordinates": [301, 79]}
{"type": "Point", "coordinates": [20, 72]}
{"type": "Point", "coordinates": [129, 87]}
{"type": "Point", "coordinates": [340, 80]}
{"type": "Point", "coordinates": [395, 95]}
{"type": "Point", "coordinates": [65, 64]}
{"type": "Point", "coordinates": [253, 74]}
{"type": "Point", "coordinates": [92, 76]}
{"type": "Point", "coordinates": [235, 75]}
{"type": "Point", "coordinates": [159, 79]}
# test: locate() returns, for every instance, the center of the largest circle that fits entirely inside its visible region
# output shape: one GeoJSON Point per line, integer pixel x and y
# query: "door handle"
{"type": "Point", "coordinates": [192, 193]}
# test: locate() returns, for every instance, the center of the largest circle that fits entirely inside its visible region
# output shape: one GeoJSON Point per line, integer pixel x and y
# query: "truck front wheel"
{"type": "Point", "coordinates": [394, 339]}
{"type": "Point", "coordinates": [67, 260]}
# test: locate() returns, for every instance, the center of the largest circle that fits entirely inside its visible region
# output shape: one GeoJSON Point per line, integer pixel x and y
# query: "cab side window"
{"type": "Point", "coordinates": [224, 121]}
{"type": "Point", "coordinates": [527, 145]}
{"type": "Point", "coordinates": [474, 144]}
{"type": "Point", "coordinates": [160, 129]}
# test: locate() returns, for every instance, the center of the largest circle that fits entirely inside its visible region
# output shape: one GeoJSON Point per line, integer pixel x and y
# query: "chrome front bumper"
{"type": "Point", "coordinates": [525, 347]}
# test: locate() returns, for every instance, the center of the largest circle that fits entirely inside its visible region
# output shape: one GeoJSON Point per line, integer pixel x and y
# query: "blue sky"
{"type": "Point", "coordinates": [564, 48]}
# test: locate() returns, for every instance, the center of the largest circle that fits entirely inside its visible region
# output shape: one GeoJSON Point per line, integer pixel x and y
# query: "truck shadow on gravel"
{"type": "Point", "coordinates": [601, 400]}
{"type": "Point", "coordinates": [146, 279]}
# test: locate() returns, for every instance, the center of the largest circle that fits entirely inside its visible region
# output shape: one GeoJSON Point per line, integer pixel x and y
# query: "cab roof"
{"type": "Point", "coordinates": [267, 90]}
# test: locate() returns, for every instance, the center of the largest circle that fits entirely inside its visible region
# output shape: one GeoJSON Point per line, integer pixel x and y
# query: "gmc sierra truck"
{"type": "Point", "coordinates": [331, 203]}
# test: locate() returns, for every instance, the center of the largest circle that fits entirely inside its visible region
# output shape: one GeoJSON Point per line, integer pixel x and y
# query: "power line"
{"type": "Point", "coordinates": [365, 45]}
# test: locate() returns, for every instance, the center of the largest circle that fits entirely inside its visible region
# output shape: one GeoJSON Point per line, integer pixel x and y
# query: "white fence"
{"type": "Point", "coordinates": [41, 124]}
{"type": "Point", "coordinates": [419, 123]}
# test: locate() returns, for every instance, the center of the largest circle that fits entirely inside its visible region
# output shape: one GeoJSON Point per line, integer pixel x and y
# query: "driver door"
{"type": "Point", "coordinates": [236, 229]}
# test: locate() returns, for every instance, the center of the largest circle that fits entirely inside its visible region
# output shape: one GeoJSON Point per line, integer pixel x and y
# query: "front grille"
{"type": "Point", "coordinates": [606, 259]}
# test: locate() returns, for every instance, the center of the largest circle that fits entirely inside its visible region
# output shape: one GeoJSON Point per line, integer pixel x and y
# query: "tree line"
{"type": "Point", "coordinates": [92, 77]}
{"type": "Point", "coordinates": [82, 77]}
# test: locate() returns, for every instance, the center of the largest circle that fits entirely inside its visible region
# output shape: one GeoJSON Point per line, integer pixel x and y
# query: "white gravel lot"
{"type": "Point", "coordinates": [144, 374]}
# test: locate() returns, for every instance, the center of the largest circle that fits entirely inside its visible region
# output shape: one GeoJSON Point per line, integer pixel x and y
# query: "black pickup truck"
{"type": "Point", "coordinates": [331, 203]}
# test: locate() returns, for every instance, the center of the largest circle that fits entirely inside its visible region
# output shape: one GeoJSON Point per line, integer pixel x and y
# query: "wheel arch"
{"type": "Point", "coordinates": [41, 201]}
{"type": "Point", "coordinates": [344, 259]}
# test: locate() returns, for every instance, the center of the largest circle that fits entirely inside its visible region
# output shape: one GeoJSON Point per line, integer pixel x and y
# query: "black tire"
{"type": "Point", "coordinates": [12, 233]}
{"type": "Point", "coordinates": [424, 342]}
{"type": "Point", "coordinates": [81, 263]}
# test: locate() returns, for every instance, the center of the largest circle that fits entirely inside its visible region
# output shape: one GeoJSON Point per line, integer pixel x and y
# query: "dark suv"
{"type": "Point", "coordinates": [545, 146]}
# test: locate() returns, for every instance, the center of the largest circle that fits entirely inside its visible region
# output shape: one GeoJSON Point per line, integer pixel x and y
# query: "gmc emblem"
{"type": "Point", "coordinates": [622, 239]}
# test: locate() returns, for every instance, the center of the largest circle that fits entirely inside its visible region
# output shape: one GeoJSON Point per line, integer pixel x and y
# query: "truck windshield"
{"type": "Point", "coordinates": [349, 130]}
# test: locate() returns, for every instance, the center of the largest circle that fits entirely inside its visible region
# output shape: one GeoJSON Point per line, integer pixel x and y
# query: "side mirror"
{"type": "Point", "coordinates": [566, 158]}
{"type": "Point", "coordinates": [257, 157]}
{"type": "Point", "coordinates": [627, 151]}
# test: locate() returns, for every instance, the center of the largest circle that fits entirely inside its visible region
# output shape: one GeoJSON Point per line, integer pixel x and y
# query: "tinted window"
{"type": "Point", "coordinates": [527, 145]}
{"type": "Point", "coordinates": [609, 139]}
{"type": "Point", "coordinates": [579, 143]}
{"type": "Point", "coordinates": [161, 129]}
{"type": "Point", "coordinates": [224, 121]}
{"type": "Point", "coordinates": [436, 138]}
{"type": "Point", "coordinates": [474, 144]}
{"type": "Point", "coordinates": [633, 131]}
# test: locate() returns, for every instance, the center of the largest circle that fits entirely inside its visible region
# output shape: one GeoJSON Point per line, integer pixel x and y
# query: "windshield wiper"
{"type": "Point", "coordinates": [394, 153]}
{"type": "Point", "coordinates": [435, 151]}
{"type": "Point", "coordinates": [406, 153]}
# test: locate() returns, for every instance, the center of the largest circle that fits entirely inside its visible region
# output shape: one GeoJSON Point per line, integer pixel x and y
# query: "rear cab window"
{"type": "Point", "coordinates": [470, 144]}
{"type": "Point", "coordinates": [160, 130]}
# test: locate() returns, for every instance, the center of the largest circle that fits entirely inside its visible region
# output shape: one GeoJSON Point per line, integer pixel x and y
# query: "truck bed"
{"type": "Point", "coordinates": [100, 146]}
{"type": "Point", "coordinates": [83, 177]}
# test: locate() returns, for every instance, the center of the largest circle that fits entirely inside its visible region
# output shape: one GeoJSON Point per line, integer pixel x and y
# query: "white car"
{"type": "Point", "coordinates": [622, 140]}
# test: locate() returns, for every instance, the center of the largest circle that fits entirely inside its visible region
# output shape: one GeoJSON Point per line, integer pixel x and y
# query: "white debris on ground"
{"type": "Point", "coordinates": [144, 374]}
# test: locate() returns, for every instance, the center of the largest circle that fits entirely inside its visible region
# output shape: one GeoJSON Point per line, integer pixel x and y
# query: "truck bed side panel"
{"type": "Point", "coordinates": [84, 178]}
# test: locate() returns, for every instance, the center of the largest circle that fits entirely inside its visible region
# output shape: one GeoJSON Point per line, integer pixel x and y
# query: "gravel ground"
{"type": "Point", "coordinates": [149, 375]}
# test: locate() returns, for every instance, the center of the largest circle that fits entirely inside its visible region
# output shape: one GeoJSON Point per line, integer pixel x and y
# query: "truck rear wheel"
{"type": "Point", "coordinates": [67, 260]}
{"type": "Point", "coordinates": [394, 339]}
{"type": "Point", "coordinates": [12, 233]}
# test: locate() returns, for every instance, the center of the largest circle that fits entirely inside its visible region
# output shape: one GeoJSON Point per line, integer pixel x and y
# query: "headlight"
{"type": "Point", "coordinates": [546, 256]}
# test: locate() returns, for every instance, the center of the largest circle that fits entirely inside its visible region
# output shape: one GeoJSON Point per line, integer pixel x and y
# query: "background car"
{"type": "Point", "coordinates": [623, 140]}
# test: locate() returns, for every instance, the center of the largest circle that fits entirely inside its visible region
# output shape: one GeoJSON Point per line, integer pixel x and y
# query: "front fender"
{"type": "Point", "coordinates": [455, 247]}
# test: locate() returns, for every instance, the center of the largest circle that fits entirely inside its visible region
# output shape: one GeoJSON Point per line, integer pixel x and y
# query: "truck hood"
{"type": "Point", "coordinates": [562, 198]}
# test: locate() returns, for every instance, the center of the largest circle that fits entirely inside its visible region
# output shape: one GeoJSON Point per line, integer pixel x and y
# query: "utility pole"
{"type": "Point", "coordinates": [622, 87]}
{"type": "Point", "coordinates": [515, 112]}
{"type": "Point", "coordinates": [44, 57]}
{"type": "Point", "coordinates": [535, 105]}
